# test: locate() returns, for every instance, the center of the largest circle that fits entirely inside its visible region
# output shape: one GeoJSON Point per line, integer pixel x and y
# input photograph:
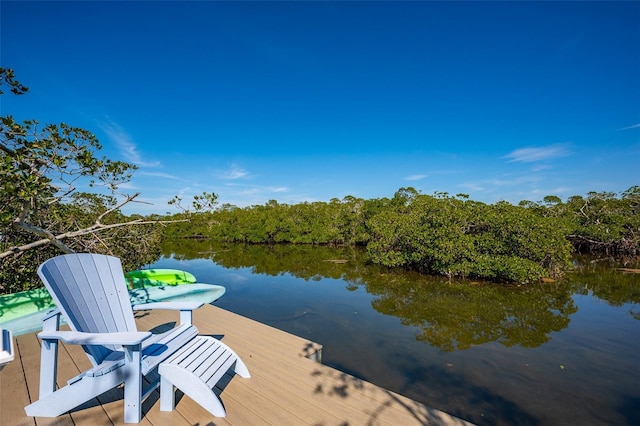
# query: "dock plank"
{"type": "Point", "coordinates": [13, 392]}
{"type": "Point", "coordinates": [285, 388]}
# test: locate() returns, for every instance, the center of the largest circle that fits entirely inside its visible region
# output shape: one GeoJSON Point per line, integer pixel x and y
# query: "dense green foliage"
{"type": "Point", "coordinates": [441, 234]}
{"type": "Point", "coordinates": [601, 222]}
{"type": "Point", "coordinates": [461, 238]}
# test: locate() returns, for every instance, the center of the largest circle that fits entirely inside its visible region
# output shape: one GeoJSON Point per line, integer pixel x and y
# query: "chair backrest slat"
{"type": "Point", "coordinates": [91, 292]}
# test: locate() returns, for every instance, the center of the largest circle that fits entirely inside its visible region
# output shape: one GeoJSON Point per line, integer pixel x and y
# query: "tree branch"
{"type": "Point", "coordinates": [126, 200]}
{"type": "Point", "coordinates": [55, 239]}
{"type": "Point", "coordinates": [49, 238]}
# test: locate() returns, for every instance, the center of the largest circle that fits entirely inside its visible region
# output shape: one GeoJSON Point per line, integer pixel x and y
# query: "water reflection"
{"type": "Point", "coordinates": [558, 353]}
{"type": "Point", "coordinates": [449, 316]}
{"type": "Point", "coordinates": [459, 315]}
{"type": "Point", "coordinates": [605, 279]}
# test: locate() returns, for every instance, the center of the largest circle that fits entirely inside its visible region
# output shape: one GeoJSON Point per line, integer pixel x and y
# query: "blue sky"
{"type": "Point", "coordinates": [308, 101]}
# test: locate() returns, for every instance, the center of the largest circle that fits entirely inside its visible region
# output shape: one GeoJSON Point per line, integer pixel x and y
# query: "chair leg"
{"type": "Point", "coordinates": [70, 396]}
{"type": "Point", "coordinates": [241, 368]}
{"type": "Point", "coordinates": [49, 355]}
{"type": "Point", "coordinates": [132, 384]}
{"type": "Point", "coordinates": [48, 367]}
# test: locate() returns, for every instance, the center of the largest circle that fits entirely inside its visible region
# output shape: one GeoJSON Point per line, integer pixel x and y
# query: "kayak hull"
{"type": "Point", "coordinates": [16, 305]}
{"type": "Point", "coordinates": [206, 293]}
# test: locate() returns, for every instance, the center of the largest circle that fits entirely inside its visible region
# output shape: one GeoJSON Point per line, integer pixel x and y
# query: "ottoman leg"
{"type": "Point", "coordinates": [167, 395]}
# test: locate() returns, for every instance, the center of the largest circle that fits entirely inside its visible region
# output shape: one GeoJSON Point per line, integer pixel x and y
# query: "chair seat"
{"type": "Point", "coordinates": [154, 350]}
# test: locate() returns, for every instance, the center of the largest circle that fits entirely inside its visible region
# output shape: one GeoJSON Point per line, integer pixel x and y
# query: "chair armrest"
{"type": "Point", "coordinates": [78, 338]}
{"type": "Point", "coordinates": [174, 306]}
{"type": "Point", "coordinates": [51, 313]}
{"type": "Point", "coordinates": [51, 320]}
{"type": "Point", "coordinates": [186, 309]}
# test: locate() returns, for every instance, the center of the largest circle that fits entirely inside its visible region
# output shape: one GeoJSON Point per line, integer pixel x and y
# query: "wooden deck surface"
{"type": "Point", "coordinates": [286, 388]}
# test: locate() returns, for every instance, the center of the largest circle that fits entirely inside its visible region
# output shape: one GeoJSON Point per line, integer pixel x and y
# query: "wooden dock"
{"type": "Point", "coordinates": [286, 387]}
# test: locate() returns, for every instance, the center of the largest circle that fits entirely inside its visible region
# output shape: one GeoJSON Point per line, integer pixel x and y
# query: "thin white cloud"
{"type": "Point", "coordinates": [127, 147]}
{"type": "Point", "coordinates": [127, 185]}
{"type": "Point", "coordinates": [233, 173]}
{"type": "Point", "coordinates": [415, 177]}
{"type": "Point", "coordinates": [184, 191]}
{"type": "Point", "coordinates": [540, 167]}
{"type": "Point", "coordinates": [263, 190]}
{"type": "Point", "coordinates": [157, 174]}
{"type": "Point", "coordinates": [250, 191]}
{"type": "Point", "coordinates": [279, 189]}
{"type": "Point", "coordinates": [633, 126]}
{"type": "Point", "coordinates": [507, 181]}
{"type": "Point", "coordinates": [529, 155]}
{"type": "Point", "coordinates": [471, 186]}
{"type": "Point", "coordinates": [544, 192]}
{"type": "Point", "coordinates": [236, 184]}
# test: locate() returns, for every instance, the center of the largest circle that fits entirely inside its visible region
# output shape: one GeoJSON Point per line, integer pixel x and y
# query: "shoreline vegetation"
{"type": "Point", "coordinates": [440, 234]}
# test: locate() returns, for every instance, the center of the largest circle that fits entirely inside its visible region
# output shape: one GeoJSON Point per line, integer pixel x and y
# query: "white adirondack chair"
{"type": "Point", "coordinates": [91, 292]}
{"type": "Point", "coordinates": [6, 348]}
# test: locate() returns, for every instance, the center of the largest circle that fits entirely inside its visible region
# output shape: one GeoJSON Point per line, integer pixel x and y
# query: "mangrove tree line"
{"type": "Point", "coordinates": [441, 234]}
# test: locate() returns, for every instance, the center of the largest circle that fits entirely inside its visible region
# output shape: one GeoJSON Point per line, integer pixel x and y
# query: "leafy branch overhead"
{"type": "Point", "coordinates": [7, 78]}
{"type": "Point", "coordinates": [43, 168]}
{"type": "Point", "coordinates": [207, 202]}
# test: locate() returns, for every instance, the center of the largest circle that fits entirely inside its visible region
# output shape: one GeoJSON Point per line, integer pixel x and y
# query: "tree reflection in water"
{"type": "Point", "coordinates": [449, 315]}
{"type": "Point", "coordinates": [492, 354]}
{"type": "Point", "coordinates": [454, 316]}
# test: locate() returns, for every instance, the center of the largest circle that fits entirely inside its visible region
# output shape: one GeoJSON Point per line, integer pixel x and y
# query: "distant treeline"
{"type": "Point", "coordinates": [441, 234]}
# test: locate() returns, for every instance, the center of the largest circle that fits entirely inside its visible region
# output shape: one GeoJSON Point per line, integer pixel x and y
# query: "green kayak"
{"type": "Point", "coordinates": [154, 277]}
{"type": "Point", "coordinates": [23, 303]}
{"type": "Point", "coordinates": [22, 312]}
{"type": "Point", "coordinates": [26, 302]}
{"type": "Point", "coordinates": [31, 320]}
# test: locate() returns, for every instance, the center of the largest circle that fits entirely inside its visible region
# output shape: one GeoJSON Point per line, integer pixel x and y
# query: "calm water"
{"type": "Point", "coordinates": [553, 354]}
